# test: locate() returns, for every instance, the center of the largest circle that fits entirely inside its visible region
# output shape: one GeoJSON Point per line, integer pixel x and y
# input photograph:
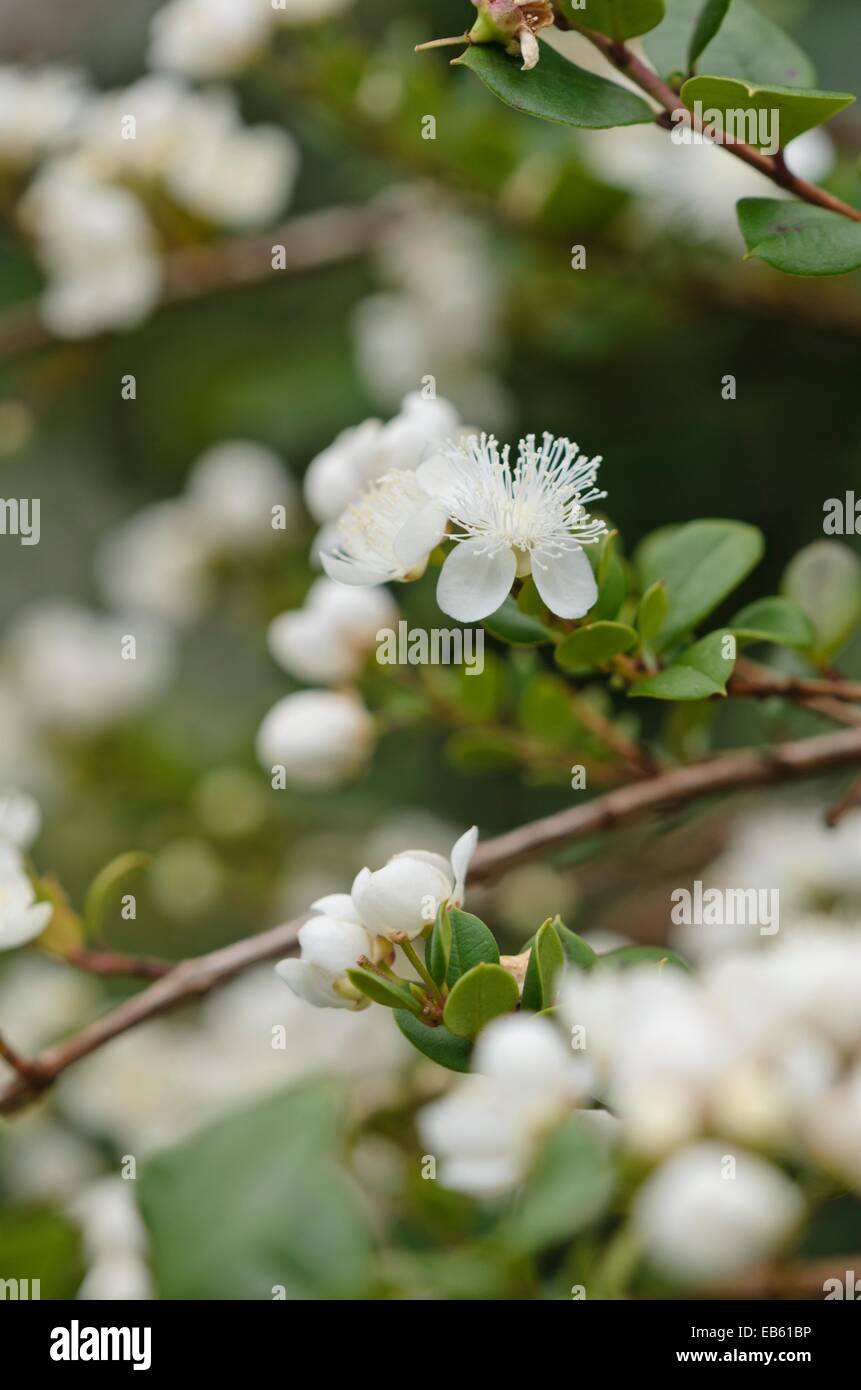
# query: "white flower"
{"type": "Point", "coordinates": [159, 107]}
{"type": "Point", "coordinates": [387, 534]}
{"type": "Point", "coordinates": [360, 455]}
{"type": "Point", "coordinates": [404, 895]}
{"type": "Point", "coordinates": [228, 173]}
{"type": "Point", "coordinates": [702, 1218]}
{"type": "Point", "coordinates": [328, 640]}
{"type": "Point", "coordinates": [39, 110]}
{"type": "Point", "coordinates": [70, 668]}
{"type": "Point", "coordinates": [98, 248]}
{"type": "Point", "coordinates": [20, 819]}
{"type": "Point", "coordinates": [322, 738]}
{"type": "Point", "coordinates": [531, 518]}
{"type": "Point", "coordinates": [234, 489]}
{"type": "Point", "coordinates": [157, 562]}
{"type": "Point", "coordinates": [486, 1131]}
{"type": "Point", "coordinates": [22, 918]}
{"type": "Point", "coordinates": [208, 38]}
{"type": "Point", "coordinates": [331, 943]}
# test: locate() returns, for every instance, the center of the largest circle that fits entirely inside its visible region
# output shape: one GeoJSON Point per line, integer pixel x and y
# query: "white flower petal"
{"type": "Point", "coordinates": [461, 855]}
{"type": "Point", "coordinates": [421, 534]}
{"type": "Point", "coordinates": [337, 905]}
{"type": "Point", "coordinates": [565, 582]}
{"type": "Point", "coordinates": [475, 581]}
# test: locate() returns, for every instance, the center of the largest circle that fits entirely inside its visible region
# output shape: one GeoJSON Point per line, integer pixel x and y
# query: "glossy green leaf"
{"type": "Point", "coordinates": [700, 563]}
{"type": "Point", "coordinates": [483, 993]}
{"type": "Point", "coordinates": [471, 943]}
{"type": "Point", "coordinates": [569, 1188]}
{"type": "Point", "coordinates": [382, 991]}
{"type": "Point", "coordinates": [747, 45]}
{"type": "Point", "coordinates": [799, 239]}
{"type": "Point", "coordinates": [438, 952]}
{"type": "Point", "coordinates": [258, 1200]}
{"type": "Point", "coordinates": [825, 580]}
{"type": "Point", "coordinates": [777, 620]}
{"type": "Point", "coordinates": [556, 90]}
{"type": "Point", "coordinates": [438, 1044]}
{"type": "Point", "coordinates": [546, 961]}
{"type": "Point", "coordinates": [788, 111]}
{"type": "Point", "coordinates": [594, 646]}
{"type": "Point", "coordinates": [696, 674]}
{"type": "Point", "coordinates": [520, 629]}
{"type": "Point", "coordinates": [618, 19]}
{"type": "Point", "coordinates": [711, 17]}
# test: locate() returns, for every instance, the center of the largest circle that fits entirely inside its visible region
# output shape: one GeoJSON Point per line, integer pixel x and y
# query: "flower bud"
{"type": "Point", "coordinates": [321, 737]}
{"type": "Point", "coordinates": [514, 24]}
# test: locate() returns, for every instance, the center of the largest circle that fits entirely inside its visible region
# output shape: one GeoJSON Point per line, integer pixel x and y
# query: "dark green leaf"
{"type": "Point", "coordinates": [471, 943]}
{"type": "Point", "coordinates": [626, 956]}
{"type": "Point", "coordinates": [777, 620]}
{"type": "Point", "coordinates": [712, 15]}
{"type": "Point", "coordinates": [790, 111]}
{"type": "Point", "coordinates": [618, 19]}
{"type": "Point", "coordinates": [577, 951]}
{"type": "Point", "coordinates": [594, 646]}
{"type": "Point", "coordinates": [382, 991]}
{"type": "Point", "coordinates": [439, 947]}
{"type": "Point", "coordinates": [696, 674]}
{"type": "Point", "coordinates": [747, 45]}
{"type": "Point", "coordinates": [546, 960]}
{"type": "Point", "coordinates": [556, 90]}
{"type": "Point", "coordinates": [438, 1044]}
{"type": "Point", "coordinates": [799, 239]}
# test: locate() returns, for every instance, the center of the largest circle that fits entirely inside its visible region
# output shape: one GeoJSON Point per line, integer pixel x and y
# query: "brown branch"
{"type": "Point", "coordinates": [727, 772]}
{"type": "Point", "coordinates": [311, 241]}
{"type": "Point", "coordinates": [191, 980]}
{"type": "Point", "coordinates": [114, 963]}
{"type": "Point", "coordinates": [803, 1279]}
{"type": "Point", "coordinates": [760, 683]}
{"type": "Point", "coordinates": [27, 1071]}
{"type": "Point", "coordinates": [623, 60]}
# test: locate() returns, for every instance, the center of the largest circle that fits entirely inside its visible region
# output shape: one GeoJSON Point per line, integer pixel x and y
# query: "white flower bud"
{"type": "Point", "coordinates": [330, 947]}
{"type": "Point", "coordinates": [234, 488]}
{"type": "Point", "coordinates": [321, 737]}
{"type": "Point", "coordinates": [397, 897]}
{"type": "Point", "coordinates": [22, 918]}
{"type": "Point", "coordinates": [20, 819]}
{"type": "Point", "coordinates": [702, 1218]}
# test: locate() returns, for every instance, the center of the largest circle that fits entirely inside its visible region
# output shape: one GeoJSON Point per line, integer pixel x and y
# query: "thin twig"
{"type": "Point", "coordinates": [115, 963]}
{"type": "Point", "coordinates": [311, 241]}
{"type": "Point", "coordinates": [27, 1071]}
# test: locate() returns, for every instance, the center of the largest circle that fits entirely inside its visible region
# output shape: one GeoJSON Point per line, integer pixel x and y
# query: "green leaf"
{"type": "Point", "coordinates": [747, 45]}
{"type": "Point", "coordinates": [696, 674]}
{"type": "Point", "coordinates": [652, 612]}
{"type": "Point", "coordinates": [107, 885]}
{"type": "Point", "coordinates": [777, 620]}
{"type": "Point", "coordinates": [799, 239]}
{"type": "Point", "coordinates": [610, 577]}
{"type": "Point", "coordinates": [519, 629]}
{"type": "Point", "coordinates": [569, 1188]}
{"type": "Point", "coordinates": [789, 111]}
{"type": "Point", "coordinates": [707, 27]}
{"type": "Point", "coordinates": [626, 956]}
{"type": "Point", "coordinates": [618, 19]}
{"type": "Point", "coordinates": [257, 1200]}
{"type": "Point", "coordinates": [41, 1245]}
{"type": "Point", "coordinates": [700, 563]}
{"type": "Point", "coordinates": [544, 709]}
{"type": "Point", "coordinates": [438, 951]}
{"type": "Point", "coordinates": [556, 90]}
{"type": "Point", "coordinates": [438, 1044]}
{"type": "Point", "coordinates": [594, 646]}
{"type": "Point", "coordinates": [546, 960]}
{"type": "Point", "coordinates": [480, 995]}
{"type": "Point", "coordinates": [825, 580]}
{"type": "Point", "coordinates": [471, 943]}
{"type": "Point", "coordinates": [382, 991]}
{"type": "Point", "coordinates": [577, 951]}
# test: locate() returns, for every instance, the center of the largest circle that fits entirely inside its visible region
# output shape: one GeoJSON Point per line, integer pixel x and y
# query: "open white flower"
{"type": "Point", "coordinates": [321, 737]}
{"type": "Point", "coordinates": [387, 534]}
{"type": "Point", "coordinates": [487, 1129]}
{"type": "Point", "coordinates": [404, 895]}
{"type": "Point", "coordinates": [234, 488]}
{"type": "Point", "coordinates": [527, 519]}
{"type": "Point", "coordinates": [331, 942]}
{"type": "Point", "coordinates": [22, 918]}
{"type": "Point", "coordinates": [208, 38]}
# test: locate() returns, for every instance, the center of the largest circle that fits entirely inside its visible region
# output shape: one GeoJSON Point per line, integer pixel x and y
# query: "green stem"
{"type": "Point", "coordinates": [418, 964]}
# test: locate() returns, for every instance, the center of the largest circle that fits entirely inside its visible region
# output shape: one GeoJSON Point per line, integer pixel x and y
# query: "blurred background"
{"type": "Point", "coordinates": [461, 272]}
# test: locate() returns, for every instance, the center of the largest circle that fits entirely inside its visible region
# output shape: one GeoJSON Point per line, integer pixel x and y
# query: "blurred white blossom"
{"type": "Point", "coordinates": [322, 738]}
{"type": "Point", "coordinates": [328, 640]}
{"type": "Point", "coordinates": [40, 108]}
